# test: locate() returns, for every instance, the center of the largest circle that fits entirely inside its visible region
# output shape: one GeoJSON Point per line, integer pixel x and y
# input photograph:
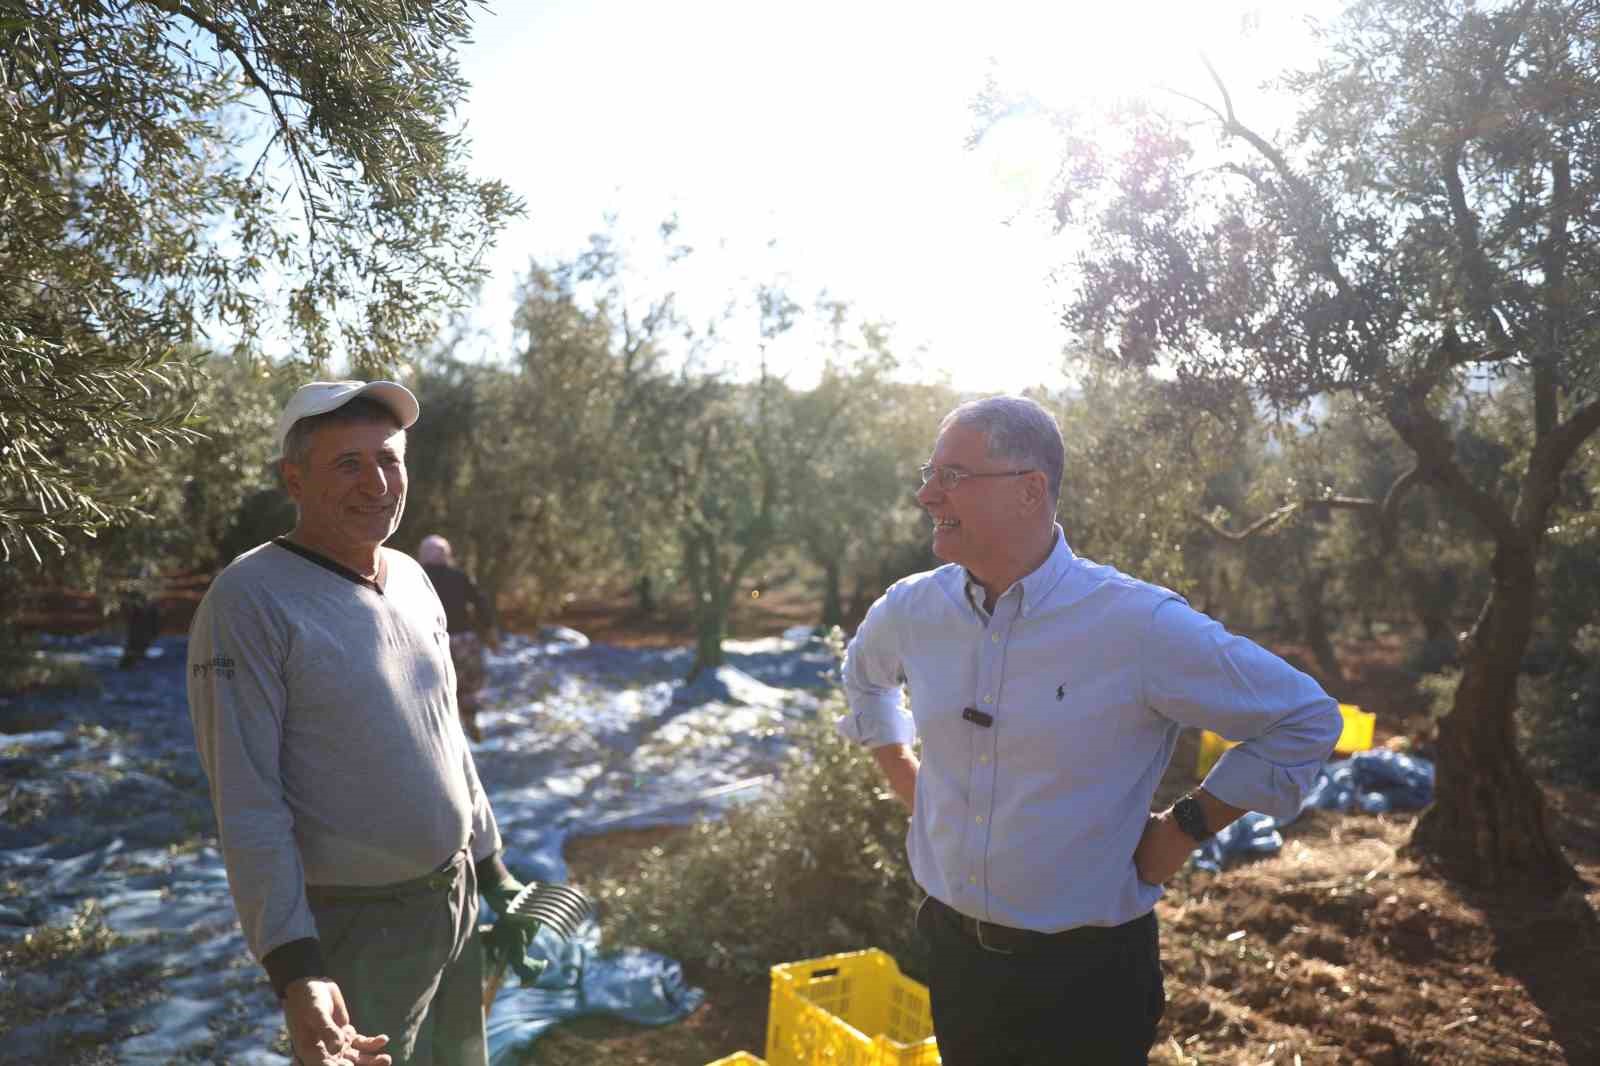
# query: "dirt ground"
{"type": "Point", "coordinates": [1339, 950]}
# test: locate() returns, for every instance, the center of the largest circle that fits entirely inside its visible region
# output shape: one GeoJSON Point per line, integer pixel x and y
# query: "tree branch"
{"type": "Point", "coordinates": [1427, 436]}
{"type": "Point", "coordinates": [1389, 510]}
{"type": "Point", "coordinates": [1553, 261]}
{"type": "Point", "coordinates": [1479, 272]}
{"type": "Point", "coordinates": [1222, 118]}
{"type": "Point", "coordinates": [1320, 248]}
{"type": "Point", "coordinates": [1450, 352]}
{"type": "Point", "coordinates": [1268, 522]}
{"type": "Point", "coordinates": [231, 44]}
{"type": "Point", "coordinates": [1550, 456]}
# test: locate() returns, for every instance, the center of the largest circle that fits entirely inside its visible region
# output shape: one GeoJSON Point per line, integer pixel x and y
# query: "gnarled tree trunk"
{"type": "Point", "coordinates": [711, 626]}
{"type": "Point", "coordinates": [1488, 824]}
{"type": "Point", "coordinates": [703, 568]}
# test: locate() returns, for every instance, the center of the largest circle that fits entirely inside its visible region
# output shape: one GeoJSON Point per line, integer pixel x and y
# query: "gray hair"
{"type": "Point", "coordinates": [297, 442]}
{"type": "Point", "coordinates": [1018, 430]}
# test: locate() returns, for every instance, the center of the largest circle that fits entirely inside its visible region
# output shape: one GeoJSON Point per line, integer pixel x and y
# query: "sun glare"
{"type": "Point", "coordinates": [824, 146]}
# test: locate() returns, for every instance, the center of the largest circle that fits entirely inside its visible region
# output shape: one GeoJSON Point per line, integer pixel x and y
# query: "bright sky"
{"type": "Point", "coordinates": [822, 145]}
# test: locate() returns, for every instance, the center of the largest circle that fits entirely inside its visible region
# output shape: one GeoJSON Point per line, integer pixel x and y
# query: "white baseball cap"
{"type": "Point", "coordinates": [320, 397]}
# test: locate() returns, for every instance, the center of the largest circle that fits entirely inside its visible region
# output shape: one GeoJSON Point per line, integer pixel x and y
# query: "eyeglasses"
{"type": "Point", "coordinates": [949, 476]}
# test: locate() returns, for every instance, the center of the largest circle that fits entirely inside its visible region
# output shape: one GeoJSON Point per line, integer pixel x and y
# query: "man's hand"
{"type": "Point", "coordinates": [1162, 850]}
{"type": "Point", "coordinates": [320, 1033]}
{"type": "Point", "coordinates": [1164, 847]}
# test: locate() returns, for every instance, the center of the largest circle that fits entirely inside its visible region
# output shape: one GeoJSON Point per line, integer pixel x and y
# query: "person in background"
{"type": "Point", "coordinates": [470, 618]}
{"type": "Point", "coordinates": [1048, 693]}
{"type": "Point", "coordinates": [353, 826]}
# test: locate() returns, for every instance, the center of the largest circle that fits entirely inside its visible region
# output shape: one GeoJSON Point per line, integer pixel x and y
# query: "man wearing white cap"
{"type": "Point", "coordinates": [353, 826]}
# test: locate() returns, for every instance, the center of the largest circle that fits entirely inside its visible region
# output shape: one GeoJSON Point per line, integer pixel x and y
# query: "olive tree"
{"type": "Point", "coordinates": [1431, 219]}
{"type": "Point", "coordinates": [227, 173]}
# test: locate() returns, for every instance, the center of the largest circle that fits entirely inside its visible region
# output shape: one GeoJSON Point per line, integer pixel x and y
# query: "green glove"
{"type": "Point", "coordinates": [508, 941]}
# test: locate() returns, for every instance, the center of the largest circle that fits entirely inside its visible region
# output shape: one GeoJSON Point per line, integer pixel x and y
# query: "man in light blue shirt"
{"type": "Point", "coordinates": [1048, 693]}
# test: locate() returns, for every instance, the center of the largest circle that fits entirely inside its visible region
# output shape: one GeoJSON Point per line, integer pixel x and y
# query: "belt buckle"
{"type": "Point", "coordinates": [977, 925]}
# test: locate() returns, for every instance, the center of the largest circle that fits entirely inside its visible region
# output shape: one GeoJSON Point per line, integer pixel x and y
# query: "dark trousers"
{"type": "Point", "coordinates": [1090, 997]}
{"type": "Point", "coordinates": [410, 965]}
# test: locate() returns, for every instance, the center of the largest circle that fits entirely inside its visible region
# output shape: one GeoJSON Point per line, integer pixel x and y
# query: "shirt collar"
{"type": "Point", "coordinates": [1036, 585]}
{"type": "Point", "coordinates": [333, 565]}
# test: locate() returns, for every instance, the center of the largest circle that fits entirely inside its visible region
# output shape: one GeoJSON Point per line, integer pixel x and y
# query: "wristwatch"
{"type": "Point", "coordinates": [1191, 818]}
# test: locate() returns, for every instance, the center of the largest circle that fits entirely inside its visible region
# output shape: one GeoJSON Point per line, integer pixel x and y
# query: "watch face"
{"type": "Point", "coordinates": [1191, 818]}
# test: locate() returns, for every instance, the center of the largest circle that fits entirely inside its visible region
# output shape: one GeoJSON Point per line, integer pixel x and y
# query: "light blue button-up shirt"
{"type": "Point", "coordinates": [1088, 675]}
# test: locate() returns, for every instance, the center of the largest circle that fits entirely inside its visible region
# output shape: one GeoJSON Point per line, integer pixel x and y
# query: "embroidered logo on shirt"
{"type": "Point", "coordinates": [221, 666]}
{"type": "Point", "coordinates": [1061, 693]}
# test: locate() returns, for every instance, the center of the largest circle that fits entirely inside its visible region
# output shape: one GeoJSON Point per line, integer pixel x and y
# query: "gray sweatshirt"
{"type": "Point", "coordinates": [324, 713]}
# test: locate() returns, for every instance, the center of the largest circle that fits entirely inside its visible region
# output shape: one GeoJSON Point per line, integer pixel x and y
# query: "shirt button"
{"type": "Point", "coordinates": [979, 819]}
{"type": "Point", "coordinates": [972, 879]}
{"type": "Point", "coordinates": [988, 698]}
{"type": "Point", "coordinates": [994, 638]}
{"type": "Point", "coordinates": [983, 758]}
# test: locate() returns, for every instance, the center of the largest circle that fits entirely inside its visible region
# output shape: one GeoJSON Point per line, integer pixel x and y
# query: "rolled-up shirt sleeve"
{"type": "Point", "coordinates": [872, 679]}
{"type": "Point", "coordinates": [1198, 674]}
{"type": "Point", "coordinates": [236, 701]}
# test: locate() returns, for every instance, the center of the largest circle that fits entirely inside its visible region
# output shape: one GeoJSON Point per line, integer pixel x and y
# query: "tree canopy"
{"type": "Point", "coordinates": [281, 178]}
{"type": "Point", "coordinates": [1428, 226]}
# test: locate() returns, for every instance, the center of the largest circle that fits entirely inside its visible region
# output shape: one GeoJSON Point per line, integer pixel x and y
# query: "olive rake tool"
{"type": "Point", "coordinates": [561, 909]}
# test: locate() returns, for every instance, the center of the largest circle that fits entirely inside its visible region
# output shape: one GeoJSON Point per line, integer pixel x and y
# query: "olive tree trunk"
{"type": "Point", "coordinates": [1488, 823]}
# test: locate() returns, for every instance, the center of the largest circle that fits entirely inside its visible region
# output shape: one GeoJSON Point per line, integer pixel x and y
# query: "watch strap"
{"type": "Point", "coordinates": [1191, 818]}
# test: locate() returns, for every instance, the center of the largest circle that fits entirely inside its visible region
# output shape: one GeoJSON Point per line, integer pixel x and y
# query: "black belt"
{"type": "Point", "coordinates": [1006, 940]}
{"type": "Point", "coordinates": [438, 880]}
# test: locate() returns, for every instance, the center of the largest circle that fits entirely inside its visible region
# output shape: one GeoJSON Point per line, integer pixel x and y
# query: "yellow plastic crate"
{"type": "Point", "coordinates": [854, 1009]}
{"type": "Point", "coordinates": [739, 1058]}
{"type": "Point", "coordinates": [1357, 732]}
{"type": "Point", "coordinates": [1355, 736]}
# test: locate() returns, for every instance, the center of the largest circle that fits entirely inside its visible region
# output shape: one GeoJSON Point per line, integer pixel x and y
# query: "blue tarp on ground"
{"type": "Point", "coordinates": [1369, 781]}
{"type": "Point", "coordinates": [107, 803]}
